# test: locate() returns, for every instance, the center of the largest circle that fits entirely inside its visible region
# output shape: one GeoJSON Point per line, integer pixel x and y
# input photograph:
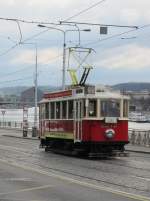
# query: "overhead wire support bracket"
{"type": "Point", "coordinates": [98, 24]}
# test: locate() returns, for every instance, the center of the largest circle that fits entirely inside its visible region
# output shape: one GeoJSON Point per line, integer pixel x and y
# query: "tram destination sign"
{"type": "Point", "coordinates": [58, 94]}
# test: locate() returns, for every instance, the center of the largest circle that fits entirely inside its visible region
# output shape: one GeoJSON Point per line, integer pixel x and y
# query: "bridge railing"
{"type": "Point", "coordinates": [136, 136]}
{"type": "Point", "coordinates": [139, 137]}
{"type": "Point", "coordinates": [15, 125]}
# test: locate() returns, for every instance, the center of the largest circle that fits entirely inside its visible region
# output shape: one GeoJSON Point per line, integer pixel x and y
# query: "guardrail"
{"type": "Point", "coordinates": [136, 136]}
{"type": "Point", "coordinates": [139, 137]}
{"type": "Point", "coordinates": [15, 125]}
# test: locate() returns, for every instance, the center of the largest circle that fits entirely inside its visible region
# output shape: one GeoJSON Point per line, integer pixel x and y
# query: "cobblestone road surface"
{"type": "Point", "coordinates": [127, 174]}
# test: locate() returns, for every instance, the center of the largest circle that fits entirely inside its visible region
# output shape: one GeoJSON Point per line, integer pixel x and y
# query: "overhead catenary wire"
{"type": "Point", "coordinates": [29, 67]}
{"type": "Point", "coordinates": [116, 35]}
{"type": "Point", "coordinates": [25, 78]}
{"type": "Point", "coordinates": [40, 22]}
{"type": "Point", "coordinates": [8, 50]}
{"type": "Point", "coordinates": [14, 72]}
{"type": "Point", "coordinates": [65, 22]}
{"type": "Point", "coordinates": [85, 10]}
{"type": "Point", "coordinates": [27, 21]}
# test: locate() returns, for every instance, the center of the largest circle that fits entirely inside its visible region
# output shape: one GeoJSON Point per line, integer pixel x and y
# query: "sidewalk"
{"type": "Point", "coordinates": [16, 134]}
{"type": "Point", "coordinates": [138, 149]}
{"type": "Point", "coordinates": [19, 134]}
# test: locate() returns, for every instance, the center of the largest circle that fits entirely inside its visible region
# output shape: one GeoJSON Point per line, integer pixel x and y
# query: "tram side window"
{"type": "Point", "coordinates": [57, 110]}
{"type": "Point", "coordinates": [47, 111]}
{"type": "Point", "coordinates": [110, 108]}
{"type": "Point", "coordinates": [64, 109]}
{"type": "Point", "coordinates": [125, 108]}
{"type": "Point", "coordinates": [70, 109]}
{"type": "Point", "coordinates": [92, 108]}
{"type": "Point", "coordinates": [52, 110]}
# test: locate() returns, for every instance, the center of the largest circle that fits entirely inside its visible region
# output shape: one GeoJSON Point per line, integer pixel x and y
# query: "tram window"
{"type": "Point", "coordinates": [57, 110]}
{"type": "Point", "coordinates": [64, 109]}
{"type": "Point", "coordinates": [110, 108]}
{"type": "Point", "coordinates": [52, 110]}
{"type": "Point", "coordinates": [92, 108]}
{"type": "Point", "coordinates": [47, 110]}
{"type": "Point", "coordinates": [125, 108]}
{"type": "Point", "coordinates": [70, 109]}
{"type": "Point", "coordinates": [84, 108]}
{"type": "Point", "coordinates": [42, 111]}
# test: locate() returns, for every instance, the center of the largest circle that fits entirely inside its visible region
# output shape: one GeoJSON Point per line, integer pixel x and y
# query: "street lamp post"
{"type": "Point", "coordinates": [35, 126]}
{"type": "Point", "coordinates": [64, 52]}
{"type": "Point", "coordinates": [64, 48]}
{"type": "Point", "coordinates": [3, 113]}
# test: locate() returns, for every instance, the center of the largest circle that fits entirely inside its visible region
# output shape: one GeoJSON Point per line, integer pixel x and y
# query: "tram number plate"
{"type": "Point", "coordinates": [112, 120]}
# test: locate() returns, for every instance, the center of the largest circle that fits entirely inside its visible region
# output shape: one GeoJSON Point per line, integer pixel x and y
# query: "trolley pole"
{"type": "Point", "coordinates": [64, 47]}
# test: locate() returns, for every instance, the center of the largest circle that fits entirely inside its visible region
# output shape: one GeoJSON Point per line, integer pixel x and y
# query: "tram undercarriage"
{"type": "Point", "coordinates": [90, 149]}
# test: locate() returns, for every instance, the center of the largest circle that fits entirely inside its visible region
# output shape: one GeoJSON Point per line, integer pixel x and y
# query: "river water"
{"type": "Point", "coordinates": [16, 115]}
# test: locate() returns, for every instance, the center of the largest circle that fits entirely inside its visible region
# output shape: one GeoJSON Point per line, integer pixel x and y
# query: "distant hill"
{"type": "Point", "coordinates": [132, 86]}
{"type": "Point", "coordinates": [12, 90]}
{"type": "Point", "coordinates": [19, 89]}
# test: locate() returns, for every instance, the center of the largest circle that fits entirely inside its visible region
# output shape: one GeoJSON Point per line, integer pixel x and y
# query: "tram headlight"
{"type": "Point", "coordinates": [110, 133]}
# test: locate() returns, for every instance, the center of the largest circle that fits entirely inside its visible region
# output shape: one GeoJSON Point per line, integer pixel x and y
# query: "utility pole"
{"type": "Point", "coordinates": [35, 128]}
{"type": "Point", "coordinates": [64, 62]}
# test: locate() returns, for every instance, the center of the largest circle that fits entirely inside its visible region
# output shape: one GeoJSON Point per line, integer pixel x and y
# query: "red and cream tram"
{"type": "Point", "coordinates": [84, 120]}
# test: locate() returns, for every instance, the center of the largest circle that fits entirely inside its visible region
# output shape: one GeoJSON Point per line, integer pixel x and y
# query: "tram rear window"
{"type": "Point", "coordinates": [110, 108]}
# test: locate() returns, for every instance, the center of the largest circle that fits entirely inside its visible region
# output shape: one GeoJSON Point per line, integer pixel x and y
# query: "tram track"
{"type": "Point", "coordinates": [79, 176]}
{"type": "Point", "coordinates": [93, 179]}
{"type": "Point", "coordinates": [28, 154]}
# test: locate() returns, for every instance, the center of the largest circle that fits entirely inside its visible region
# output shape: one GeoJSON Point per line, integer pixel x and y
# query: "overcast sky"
{"type": "Point", "coordinates": [115, 60]}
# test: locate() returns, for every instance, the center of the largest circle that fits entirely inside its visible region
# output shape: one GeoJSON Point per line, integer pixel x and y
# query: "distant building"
{"type": "Point", "coordinates": [27, 96]}
{"type": "Point", "coordinates": [139, 101]}
{"type": "Point", "coordinates": [138, 95]}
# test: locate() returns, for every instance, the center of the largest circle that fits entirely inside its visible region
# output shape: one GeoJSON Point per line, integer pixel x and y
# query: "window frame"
{"type": "Point", "coordinates": [96, 109]}
{"type": "Point", "coordinates": [106, 100]}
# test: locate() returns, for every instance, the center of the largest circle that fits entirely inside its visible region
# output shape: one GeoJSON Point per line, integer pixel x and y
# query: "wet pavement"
{"type": "Point", "coordinates": [74, 178]}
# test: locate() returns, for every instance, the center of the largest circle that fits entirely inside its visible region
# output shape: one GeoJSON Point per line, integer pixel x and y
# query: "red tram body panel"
{"type": "Point", "coordinates": [95, 131]}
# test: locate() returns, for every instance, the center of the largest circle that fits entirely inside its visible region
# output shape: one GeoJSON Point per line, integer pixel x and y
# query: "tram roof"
{"type": "Point", "coordinates": [82, 92]}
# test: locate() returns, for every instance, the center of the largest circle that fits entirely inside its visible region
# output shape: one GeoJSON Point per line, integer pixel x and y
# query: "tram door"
{"type": "Point", "coordinates": [78, 115]}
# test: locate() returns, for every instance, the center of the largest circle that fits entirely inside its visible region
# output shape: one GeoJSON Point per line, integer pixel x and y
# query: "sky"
{"type": "Point", "coordinates": [116, 58]}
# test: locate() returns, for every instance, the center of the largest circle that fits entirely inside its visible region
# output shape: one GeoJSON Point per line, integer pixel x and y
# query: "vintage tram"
{"type": "Point", "coordinates": [84, 120]}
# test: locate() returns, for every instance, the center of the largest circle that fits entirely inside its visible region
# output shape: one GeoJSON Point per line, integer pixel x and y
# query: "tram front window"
{"type": "Point", "coordinates": [110, 108]}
